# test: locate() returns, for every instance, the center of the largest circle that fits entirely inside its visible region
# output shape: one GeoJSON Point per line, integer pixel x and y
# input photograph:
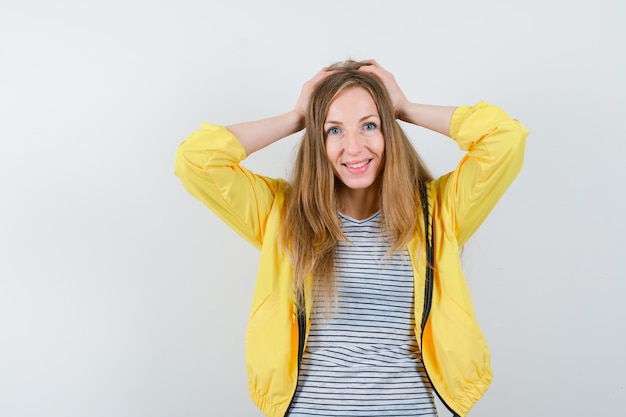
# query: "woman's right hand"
{"type": "Point", "coordinates": [302, 104]}
{"type": "Point", "coordinates": [258, 134]}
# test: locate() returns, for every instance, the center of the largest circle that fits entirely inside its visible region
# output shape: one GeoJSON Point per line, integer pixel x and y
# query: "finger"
{"type": "Point", "coordinates": [319, 77]}
{"type": "Point", "coordinates": [369, 68]}
{"type": "Point", "coordinates": [371, 62]}
{"type": "Point", "coordinates": [373, 68]}
{"type": "Point", "coordinates": [323, 73]}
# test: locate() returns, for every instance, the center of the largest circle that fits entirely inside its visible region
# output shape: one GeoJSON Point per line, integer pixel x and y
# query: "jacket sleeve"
{"type": "Point", "coordinates": [495, 152]}
{"type": "Point", "coordinates": [207, 163]}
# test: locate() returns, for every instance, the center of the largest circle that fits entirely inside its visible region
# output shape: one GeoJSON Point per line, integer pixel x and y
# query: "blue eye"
{"type": "Point", "coordinates": [333, 131]}
{"type": "Point", "coordinates": [370, 126]}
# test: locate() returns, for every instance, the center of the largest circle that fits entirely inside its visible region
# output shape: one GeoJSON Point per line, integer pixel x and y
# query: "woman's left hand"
{"type": "Point", "coordinates": [398, 99]}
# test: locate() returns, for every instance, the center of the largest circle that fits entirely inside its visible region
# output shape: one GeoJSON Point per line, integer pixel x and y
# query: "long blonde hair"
{"type": "Point", "coordinates": [310, 226]}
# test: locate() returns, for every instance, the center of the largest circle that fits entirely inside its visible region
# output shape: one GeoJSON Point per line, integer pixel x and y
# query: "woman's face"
{"type": "Point", "coordinates": [354, 141]}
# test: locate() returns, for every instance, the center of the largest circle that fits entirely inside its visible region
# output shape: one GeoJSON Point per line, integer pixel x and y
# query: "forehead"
{"type": "Point", "coordinates": [352, 101]}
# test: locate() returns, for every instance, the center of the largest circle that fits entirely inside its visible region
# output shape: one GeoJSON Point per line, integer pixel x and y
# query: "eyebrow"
{"type": "Point", "coordinates": [360, 120]}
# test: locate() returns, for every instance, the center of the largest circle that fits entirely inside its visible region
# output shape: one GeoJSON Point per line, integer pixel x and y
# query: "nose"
{"type": "Point", "coordinates": [354, 142]}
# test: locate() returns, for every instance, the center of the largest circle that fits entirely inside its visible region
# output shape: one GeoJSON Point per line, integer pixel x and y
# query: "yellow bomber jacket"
{"type": "Point", "coordinates": [454, 351]}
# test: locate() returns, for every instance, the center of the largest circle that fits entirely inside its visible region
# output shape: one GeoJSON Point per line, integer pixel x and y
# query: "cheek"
{"type": "Point", "coordinates": [381, 146]}
{"type": "Point", "coordinates": [332, 156]}
{"type": "Point", "coordinates": [331, 152]}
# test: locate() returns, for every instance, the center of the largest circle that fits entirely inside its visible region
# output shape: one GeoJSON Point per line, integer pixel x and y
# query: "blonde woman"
{"type": "Point", "coordinates": [360, 306]}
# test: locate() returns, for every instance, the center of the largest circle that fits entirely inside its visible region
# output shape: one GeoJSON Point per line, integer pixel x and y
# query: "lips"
{"type": "Point", "coordinates": [357, 165]}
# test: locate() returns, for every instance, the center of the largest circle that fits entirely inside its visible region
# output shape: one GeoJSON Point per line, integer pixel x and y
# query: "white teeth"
{"type": "Point", "coordinates": [359, 165]}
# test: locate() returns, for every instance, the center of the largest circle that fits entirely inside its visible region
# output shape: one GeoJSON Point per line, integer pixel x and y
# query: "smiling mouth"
{"type": "Point", "coordinates": [358, 165]}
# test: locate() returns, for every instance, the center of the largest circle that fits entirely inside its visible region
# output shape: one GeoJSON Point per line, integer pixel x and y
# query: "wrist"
{"type": "Point", "coordinates": [403, 111]}
{"type": "Point", "coordinates": [298, 116]}
{"type": "Point", "coordinates": [296, 119]}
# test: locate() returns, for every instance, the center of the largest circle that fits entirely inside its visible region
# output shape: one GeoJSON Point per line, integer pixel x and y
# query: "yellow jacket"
{"type": "Point", "coordinates": [454, 351]}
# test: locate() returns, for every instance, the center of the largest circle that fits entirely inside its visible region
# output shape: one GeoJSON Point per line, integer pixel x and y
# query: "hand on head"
{"type": "Point", "coordinates": [307, 89]}
{"type": "Point", "coordinates": [398, 99]}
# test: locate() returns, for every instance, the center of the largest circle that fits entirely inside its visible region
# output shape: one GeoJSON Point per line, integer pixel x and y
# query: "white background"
{"type": "Point", "coordinates": [121, 295]}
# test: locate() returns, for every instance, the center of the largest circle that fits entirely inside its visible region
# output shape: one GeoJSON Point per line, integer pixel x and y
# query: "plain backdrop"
{"type": "Point", "coordinates": [121, 295]}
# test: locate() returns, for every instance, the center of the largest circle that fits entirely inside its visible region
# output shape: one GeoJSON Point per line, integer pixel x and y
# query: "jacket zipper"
{"type": "Point", "coordinates": [428, 287]}
{"type": "Point", "coordinates": [301, 337]}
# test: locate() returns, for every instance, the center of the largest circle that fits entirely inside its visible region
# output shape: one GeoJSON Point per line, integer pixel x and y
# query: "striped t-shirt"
{"type": "Point", "coordinates": [364, 359]}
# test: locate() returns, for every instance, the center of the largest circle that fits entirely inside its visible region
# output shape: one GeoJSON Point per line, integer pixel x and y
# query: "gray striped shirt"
{"type": "Point", "coordinates": [364, 360]}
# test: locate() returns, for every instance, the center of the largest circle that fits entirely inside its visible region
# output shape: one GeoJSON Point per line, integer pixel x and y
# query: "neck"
{"type": "Point", "coordinates": [359, 204]}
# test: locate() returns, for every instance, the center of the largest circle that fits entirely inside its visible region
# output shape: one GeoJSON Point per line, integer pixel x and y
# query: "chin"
{"type": "Point", "coordinates": [358, 185]}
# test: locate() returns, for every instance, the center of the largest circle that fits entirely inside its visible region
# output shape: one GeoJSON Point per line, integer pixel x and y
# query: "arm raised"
{"type": "Point", "coordinates": [258, 134]}
{"type": "Point", "coordinates": [435, 118]}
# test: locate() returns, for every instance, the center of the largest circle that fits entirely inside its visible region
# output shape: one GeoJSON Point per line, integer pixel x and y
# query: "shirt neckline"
{"type": "Point", "coordinates": [356, 221]}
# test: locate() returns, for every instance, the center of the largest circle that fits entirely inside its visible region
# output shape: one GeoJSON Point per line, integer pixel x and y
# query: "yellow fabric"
{"type": "Point", "coordinates": [454, 351]}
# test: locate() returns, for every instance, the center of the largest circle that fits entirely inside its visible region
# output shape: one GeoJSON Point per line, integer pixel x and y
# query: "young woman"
{"type": "Point", "coordinates": [360, 306]}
